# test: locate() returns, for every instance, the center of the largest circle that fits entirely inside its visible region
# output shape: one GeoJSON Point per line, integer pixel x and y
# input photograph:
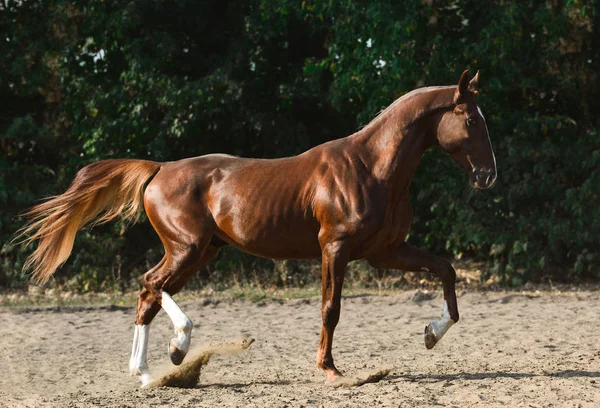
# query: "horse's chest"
{"type": "Point", "coordinates": [392, 227]}
{"type": "Point", "coordinates": [398, 220]}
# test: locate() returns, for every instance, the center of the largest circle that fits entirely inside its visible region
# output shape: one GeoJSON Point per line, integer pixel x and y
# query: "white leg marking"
{"type": "Point", "coordinates": [182, 324]}
{"type": "Point", "coordinates": [441, 326]}
{"type": "Point", "coordinates": [134, 350]}
{"type": "Point", "coordinates": [138, 364]}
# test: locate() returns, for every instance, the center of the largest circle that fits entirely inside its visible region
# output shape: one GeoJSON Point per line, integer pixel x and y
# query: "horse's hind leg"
{"type": "Point", "coordinates": [148, 306]}
{"type": "Point", "coordinates": [169, 280]}
{"type": "Point", "coordinates": [172, 278]}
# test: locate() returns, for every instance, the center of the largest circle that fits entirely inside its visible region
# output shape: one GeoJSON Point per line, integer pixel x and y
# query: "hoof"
{"type": "Point", "coordinates": [146, 380]}
{"type": "Point", "coordinates": [175, 354]}
{"type": "Point", "coordinates": [333, 376]}
{"type": "Point", "coordinates": [430, 339]}
{"type": "Point", "coordinates": [336, 382]}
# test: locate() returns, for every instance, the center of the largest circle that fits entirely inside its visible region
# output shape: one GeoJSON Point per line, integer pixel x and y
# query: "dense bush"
{"type": "Point", "coordinates": [82, 81]}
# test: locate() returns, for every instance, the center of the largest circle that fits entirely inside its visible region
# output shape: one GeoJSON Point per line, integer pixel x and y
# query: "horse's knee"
{"type": "Point", "coordinates": [447, 273]}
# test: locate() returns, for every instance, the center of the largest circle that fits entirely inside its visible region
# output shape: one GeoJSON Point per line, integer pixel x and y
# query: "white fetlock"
{"type": "Point", "coordinates": [184, 336]}
{"type": "Point", "coordinates": [441, 326]}
{"type": "Point", "coordinates": [436, 329]}
{"type": "Point", "coordinates": [178, 346]}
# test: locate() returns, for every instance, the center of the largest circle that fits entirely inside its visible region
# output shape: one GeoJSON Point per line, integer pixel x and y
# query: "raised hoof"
{"type": "Point", "coordinates": [176, 355]}
{"type": "Point", "coordinates": [430, 339]}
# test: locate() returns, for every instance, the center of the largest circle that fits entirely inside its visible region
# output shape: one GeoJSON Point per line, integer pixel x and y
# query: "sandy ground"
{"type": "Point", "coordinates": [509, 349]}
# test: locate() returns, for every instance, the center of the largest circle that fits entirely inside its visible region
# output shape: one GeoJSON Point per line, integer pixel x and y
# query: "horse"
{"type": "Point", "coordinates": [343, 200]}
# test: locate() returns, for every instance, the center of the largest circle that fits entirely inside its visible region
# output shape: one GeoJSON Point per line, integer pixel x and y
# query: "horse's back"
{"type": "Point", "coordinates": [262, 206]}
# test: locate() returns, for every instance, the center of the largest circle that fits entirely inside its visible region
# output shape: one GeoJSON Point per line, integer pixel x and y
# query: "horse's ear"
{"type": "Point", "coordinates": [474, 83]}
{"type": "Point", "coordinates": [463, 84]}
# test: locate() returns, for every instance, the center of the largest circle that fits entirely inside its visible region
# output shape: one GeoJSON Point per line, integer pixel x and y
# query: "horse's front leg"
{"type": "Point", "coordinates": [334, 262]}
{"type": "Point", "coordinates": [409, 258]}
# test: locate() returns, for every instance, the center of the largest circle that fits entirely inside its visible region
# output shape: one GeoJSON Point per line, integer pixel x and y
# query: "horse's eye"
{"type": "Point", "coordinates": [470, 121]}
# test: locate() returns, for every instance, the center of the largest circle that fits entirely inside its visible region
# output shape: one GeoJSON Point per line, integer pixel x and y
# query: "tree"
{"type": "Point", "coordinates": [85, 81]}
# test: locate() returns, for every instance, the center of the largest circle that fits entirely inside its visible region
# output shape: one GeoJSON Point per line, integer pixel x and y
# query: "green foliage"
{"type": "Point", "coordinates": [83, 81]}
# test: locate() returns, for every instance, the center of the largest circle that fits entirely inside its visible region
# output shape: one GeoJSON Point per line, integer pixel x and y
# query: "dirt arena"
{"type": "Point", "coordinates": [509, 349]}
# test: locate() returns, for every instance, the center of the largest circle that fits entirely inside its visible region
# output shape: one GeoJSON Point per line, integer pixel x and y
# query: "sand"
{"type": "Point", "coordinates": [509, 349]}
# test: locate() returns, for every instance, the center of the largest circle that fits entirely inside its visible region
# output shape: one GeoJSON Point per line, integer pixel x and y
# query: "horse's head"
{"type": "Point", "coordinates": [462, 133]}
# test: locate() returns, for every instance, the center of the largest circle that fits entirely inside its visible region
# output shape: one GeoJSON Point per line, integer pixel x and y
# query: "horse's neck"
{"type": "Point", "coordinates": [394, 142]}
{"type": "Point", "coordinates": [393, 159]}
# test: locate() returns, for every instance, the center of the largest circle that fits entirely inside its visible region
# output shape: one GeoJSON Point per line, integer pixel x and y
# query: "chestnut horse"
{"type": "Point", "coordinates": [343, 200]}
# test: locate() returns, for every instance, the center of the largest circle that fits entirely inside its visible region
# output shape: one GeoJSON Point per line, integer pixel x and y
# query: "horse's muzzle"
{"type": "Point", "coordinates": [483, 178]}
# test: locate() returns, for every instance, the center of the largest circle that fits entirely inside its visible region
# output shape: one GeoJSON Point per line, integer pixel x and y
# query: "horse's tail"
{"type": "Point", "coordinates": [106, 188]}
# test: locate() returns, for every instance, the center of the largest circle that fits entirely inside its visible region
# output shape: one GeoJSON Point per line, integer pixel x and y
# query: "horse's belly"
{"type": "Point", "coordinates": [271, 242]}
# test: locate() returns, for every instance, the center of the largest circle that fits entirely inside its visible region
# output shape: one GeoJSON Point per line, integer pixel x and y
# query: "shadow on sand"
{"type": "Point", "coordinates": [240, 385]}
{"type": "Point", "coordinates": [491, 375]}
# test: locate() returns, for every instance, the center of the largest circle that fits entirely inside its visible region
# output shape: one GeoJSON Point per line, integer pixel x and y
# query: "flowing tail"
{"type": "Point", "coordinates": [100, 192]}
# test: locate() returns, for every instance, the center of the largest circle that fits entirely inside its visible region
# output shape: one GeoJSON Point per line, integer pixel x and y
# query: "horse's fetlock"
{"type": "Point", "coordinates": [454, 315]}
{"type": "Point", "coordinates": [187, 327]}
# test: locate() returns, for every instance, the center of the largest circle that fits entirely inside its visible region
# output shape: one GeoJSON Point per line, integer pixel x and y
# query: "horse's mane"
{"type": "Point", "coordinates": [442, 102]}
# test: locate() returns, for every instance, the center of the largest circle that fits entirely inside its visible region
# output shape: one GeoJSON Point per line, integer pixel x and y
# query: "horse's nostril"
{"type": "Point", "coordinates": [485, 178]}
{"type": "Point", "coordinates": [490, 178]}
